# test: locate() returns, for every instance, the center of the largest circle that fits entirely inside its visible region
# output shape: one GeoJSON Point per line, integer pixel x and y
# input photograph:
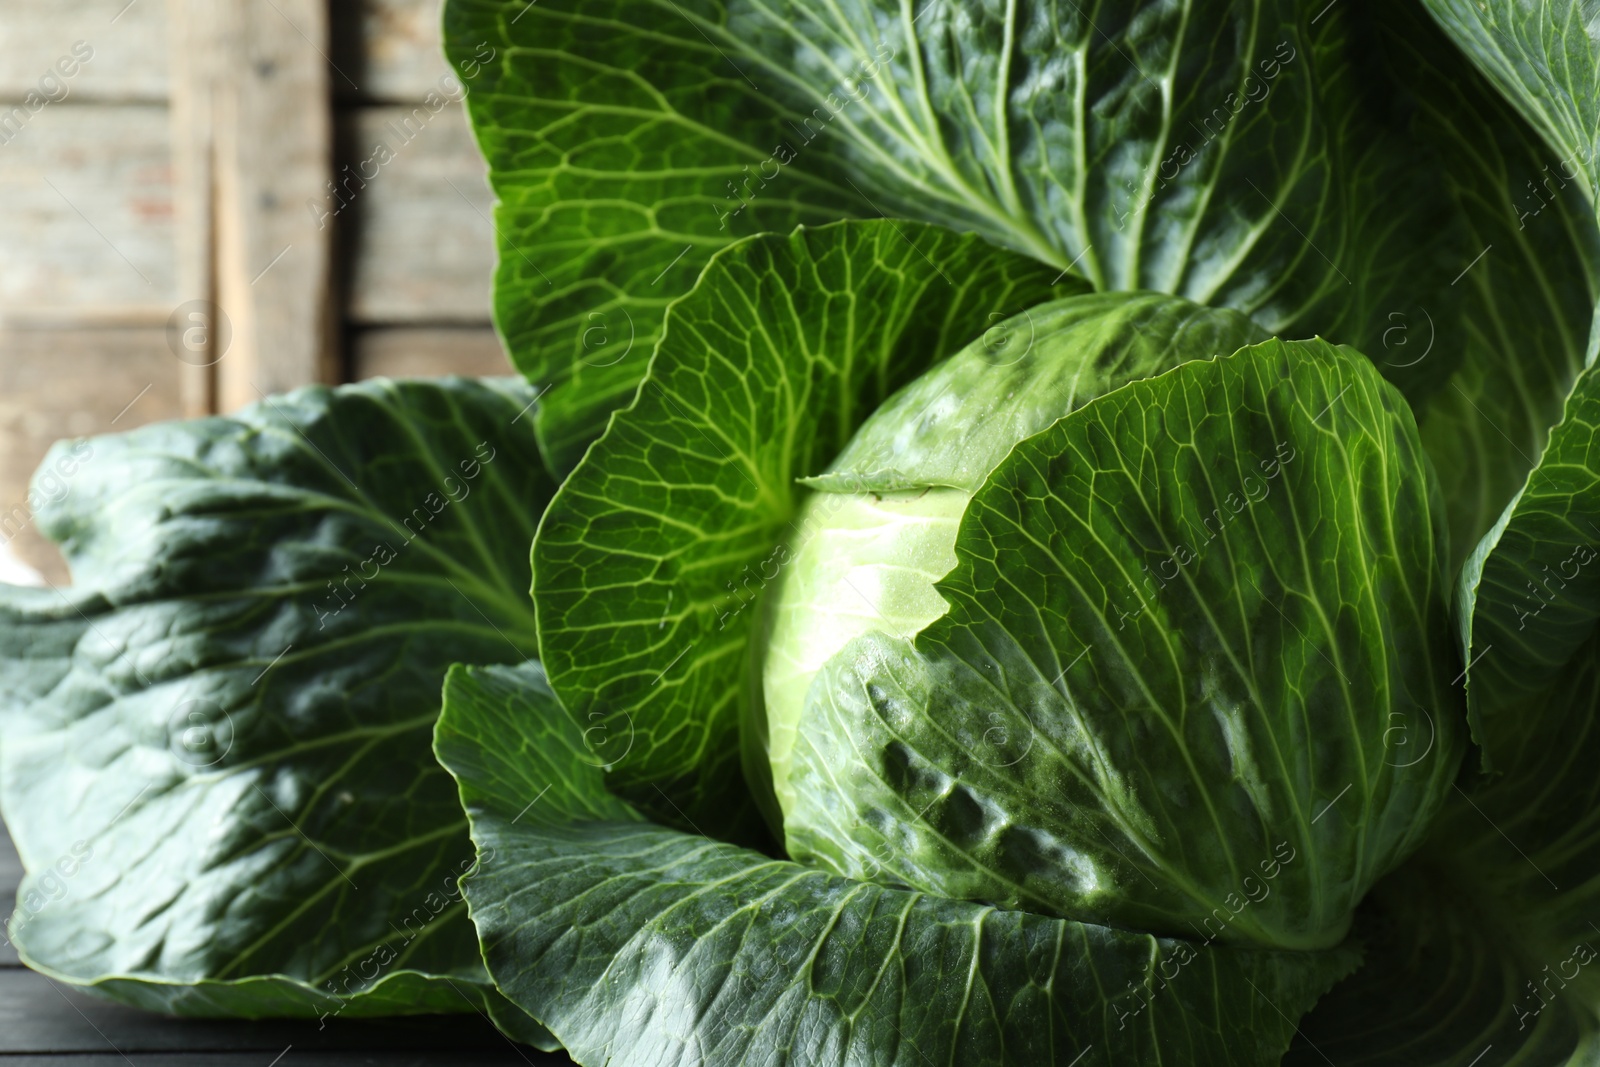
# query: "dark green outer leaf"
{"type": "Point", "coordinates": [1500, 318]}
{"type": "Point", "coordinates": [1194, 678]}
{"type": "Point", "coordinates": [652, 550]}
{"type": "Point", "coordinates": [613, 133]}
{"type": "Point", "coordinates": [639, 945]}
{"type": "Point", "coordinates": [1491, 937]}
{"type": "Point", "coordinates": [1542, 56]}
{"type": "Point", "coordinates": [1440, 987]}
{"type": "Point", "coordinates": [1530, 592]}
{"type": "Point", "coordinates": [240, 745]}
{"type": "Point", "coordinates": [1529, 842]}
{"type": "Point", "coordinates": [1220, 151]}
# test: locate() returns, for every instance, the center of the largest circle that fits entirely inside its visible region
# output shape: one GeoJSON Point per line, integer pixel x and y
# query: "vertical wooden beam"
{"type": "Point", "coordinates": [275, 155]}
{"type": "Point", "coordinates": [194, 34]}
{"type": "Point", "coordinates": [257, 77]}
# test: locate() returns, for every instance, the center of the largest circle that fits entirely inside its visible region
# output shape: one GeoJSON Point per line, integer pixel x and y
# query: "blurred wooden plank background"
{"type": "Point", "coordinates": [193, 144]}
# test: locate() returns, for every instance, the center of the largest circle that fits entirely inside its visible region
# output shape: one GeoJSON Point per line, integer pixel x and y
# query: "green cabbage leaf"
{"type": "Point", "coordinates": [636, 943]}
{"type": "Point", "coordinates": [1188, 627]}
{"type": "Point", "coordinates": [215, 746]}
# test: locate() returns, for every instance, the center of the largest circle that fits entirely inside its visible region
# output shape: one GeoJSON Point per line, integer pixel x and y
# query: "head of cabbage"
{"type": "Point", "coordinates": [1061, 630]}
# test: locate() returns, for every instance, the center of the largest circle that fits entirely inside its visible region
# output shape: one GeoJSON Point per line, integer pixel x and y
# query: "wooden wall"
{"type": "Point", "coordinates": [179, 163]}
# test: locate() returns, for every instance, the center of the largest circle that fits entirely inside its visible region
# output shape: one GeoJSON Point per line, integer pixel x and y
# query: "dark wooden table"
{"type": "Point", "coordinates": [44, 1024]}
